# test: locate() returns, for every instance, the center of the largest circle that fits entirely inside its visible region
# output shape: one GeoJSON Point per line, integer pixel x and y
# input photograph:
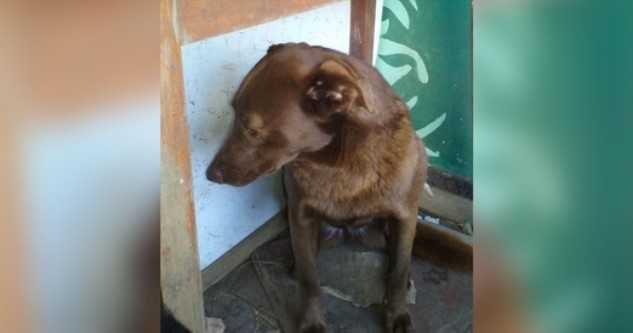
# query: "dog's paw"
{"type": "Point", "coordinates": [313, 328]}
{"type": "Point", "coordinates": [399, 323]}
{"type": "Point", "coordinates": [312, 321]}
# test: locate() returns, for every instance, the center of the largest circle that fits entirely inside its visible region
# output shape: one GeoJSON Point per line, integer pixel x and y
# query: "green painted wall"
{"type": "Point", "coordinates": [425, 53]}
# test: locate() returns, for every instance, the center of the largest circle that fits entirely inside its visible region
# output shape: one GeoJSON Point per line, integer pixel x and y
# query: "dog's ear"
{"type": "Point", "coordinates": [334, 88]}
{"type": "Point", "coordinates": [276, 47]}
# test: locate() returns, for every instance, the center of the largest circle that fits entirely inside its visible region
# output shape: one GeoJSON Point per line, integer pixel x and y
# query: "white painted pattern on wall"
{"type": "Point", "coordinates": [213, 68]}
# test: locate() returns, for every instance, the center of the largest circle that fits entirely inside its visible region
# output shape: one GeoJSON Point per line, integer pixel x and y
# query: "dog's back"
{"type": "Point", "coordinates": [375, 163]}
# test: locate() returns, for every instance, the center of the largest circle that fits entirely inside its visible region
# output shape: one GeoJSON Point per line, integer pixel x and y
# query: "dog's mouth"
{"type": "Point", "coordinates": [250, 177]}
{"type": "Point", "coordinates": [241, 181]}
{"type": "Point", "coordinates": [245, 177]}
{"type": "Point", "coordinates": [271, 170]}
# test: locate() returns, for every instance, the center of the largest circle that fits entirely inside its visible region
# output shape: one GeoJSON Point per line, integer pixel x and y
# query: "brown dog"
{"type": "Point", "coordinates": [350, 156]}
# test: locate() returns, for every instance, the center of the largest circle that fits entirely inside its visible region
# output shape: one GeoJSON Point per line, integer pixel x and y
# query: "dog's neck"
{"type": "Point", "coordinates": [359, 158]}
{"type": "Point", "coordinates": [354, 147]}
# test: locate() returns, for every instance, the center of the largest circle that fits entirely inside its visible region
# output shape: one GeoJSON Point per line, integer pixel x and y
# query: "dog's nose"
{"type": "Point", "coordinates": [215, 173]}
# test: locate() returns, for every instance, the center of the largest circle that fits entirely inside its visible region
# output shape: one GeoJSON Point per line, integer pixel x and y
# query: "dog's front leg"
{"type": "Point", "coordinates": [399, 246]}
{"type": "Point", "coordinates": [304, 233]}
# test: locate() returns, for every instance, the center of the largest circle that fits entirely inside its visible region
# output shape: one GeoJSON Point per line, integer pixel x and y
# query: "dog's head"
{"type": "Point", "coordinates": [288, 104]}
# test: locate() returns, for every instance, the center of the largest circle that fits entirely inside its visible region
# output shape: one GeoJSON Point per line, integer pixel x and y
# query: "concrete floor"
{"type": "Point", "coordinates": [261, 295]}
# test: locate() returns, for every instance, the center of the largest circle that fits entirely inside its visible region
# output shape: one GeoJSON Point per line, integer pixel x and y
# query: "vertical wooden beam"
{"type": "Point", "coordinates": [181, 284]}
{"type": "Point", "coordinates": [361, 42]}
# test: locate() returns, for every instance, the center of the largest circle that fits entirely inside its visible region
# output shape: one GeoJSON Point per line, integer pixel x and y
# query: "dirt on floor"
{"type": "Point", "coordinates": [262, 296]}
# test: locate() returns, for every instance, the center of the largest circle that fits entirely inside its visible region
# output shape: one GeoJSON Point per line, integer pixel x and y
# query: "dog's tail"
{"type": "Point", "coordinates": [443, 246]}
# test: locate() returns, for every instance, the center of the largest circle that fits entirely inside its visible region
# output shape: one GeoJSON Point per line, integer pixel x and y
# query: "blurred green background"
{"type": "Point", "coordinates": [553, 156]}
{"type": "Point", "coordinates": [425, 53]}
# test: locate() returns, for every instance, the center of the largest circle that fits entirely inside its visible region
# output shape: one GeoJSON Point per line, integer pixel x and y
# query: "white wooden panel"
{"type": "Point", "coordinates": [213, 68]}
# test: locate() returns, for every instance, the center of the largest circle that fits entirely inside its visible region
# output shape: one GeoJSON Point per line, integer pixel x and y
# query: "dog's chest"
{"type": "Point", "coordinates": [342, 198]}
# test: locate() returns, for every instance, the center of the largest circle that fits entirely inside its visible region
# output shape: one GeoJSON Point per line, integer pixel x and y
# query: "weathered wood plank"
{"type": "Point", "coordinates": [181, 284]}
{"type": "Point", "coordinates": [361, 43]}
{"type": "Point", "coordinates": [452, 183]}
{"type": "Point", "coordinates": [201, 19]}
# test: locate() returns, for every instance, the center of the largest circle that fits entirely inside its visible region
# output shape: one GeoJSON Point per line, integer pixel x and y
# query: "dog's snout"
{"type": "Point", "coordinates": [215, 172]}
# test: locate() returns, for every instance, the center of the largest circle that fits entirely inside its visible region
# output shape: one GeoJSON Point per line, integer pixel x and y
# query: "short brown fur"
{"type": "Point", "coordinates": [349, 153]}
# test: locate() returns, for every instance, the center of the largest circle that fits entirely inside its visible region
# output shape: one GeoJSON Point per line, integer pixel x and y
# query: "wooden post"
{"type": "Point", "coordinates": [181, 285]}
{"type": "Point", "coordinates": [361, 42]}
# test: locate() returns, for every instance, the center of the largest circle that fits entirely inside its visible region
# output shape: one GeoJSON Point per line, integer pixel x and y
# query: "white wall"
{"type": "Point", "coordinates": [213, 68]}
